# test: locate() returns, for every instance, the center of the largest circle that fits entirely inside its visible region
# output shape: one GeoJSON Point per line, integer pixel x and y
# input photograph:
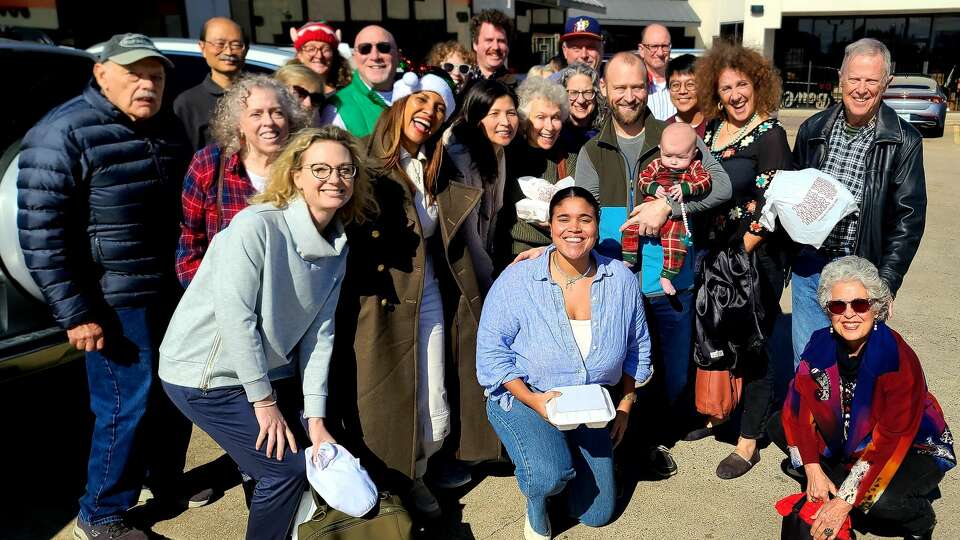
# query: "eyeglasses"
{"type": "Point", "coordinates": [302, 93]}
{"type": "Point", "coordinates": [689, 86]}
{"type": "Point", "coordinates": [322, 171]}
{"type": "Point", "coordinates": [311, 50]}
{"type": "Point", "coordinates": [588, 95]}
{"type": "Point", "coordinates": [450, 67]}
{"type": "Point", "coordinates": [859, 305]}
{"type": "Point", "coordinates": [656, 46]}
{"type": "Point", "coordinates": [221, 45]}
{"type": "Point", "coordinates": [383, 47]}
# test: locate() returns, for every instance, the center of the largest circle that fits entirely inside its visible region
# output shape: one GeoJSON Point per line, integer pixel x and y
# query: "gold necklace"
{"type": "Point", "coordinates": [570, 280]}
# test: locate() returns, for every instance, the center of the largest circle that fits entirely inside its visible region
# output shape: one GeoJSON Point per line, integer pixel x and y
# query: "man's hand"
{"type": "Point", "coordinates": [87, 337]}
{"type": "Point", "coordinates": [649, 217]}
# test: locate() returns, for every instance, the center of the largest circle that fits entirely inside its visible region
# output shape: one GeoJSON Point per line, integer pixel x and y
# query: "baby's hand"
{"type": "Point", "coordinates": [676, 193]}
{"type": "Point", "coordinates": [661, 193]}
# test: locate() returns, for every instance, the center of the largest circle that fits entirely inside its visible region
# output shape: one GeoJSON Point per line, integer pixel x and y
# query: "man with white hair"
{"type": "Point", "coordinates": [878, 156]}
{"type": "Point", "coordinates": [357, 106]}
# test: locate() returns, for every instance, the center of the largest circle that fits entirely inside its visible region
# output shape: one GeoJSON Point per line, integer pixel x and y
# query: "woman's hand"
{"type": "Point", "coordinates": [531, 253]}
{"type": "Point", "coordinates": [619, 426]}
{"type": "Point", "coordinates": [751, 241]}
{"type": "Point", "coordinates": [819, 486]}
{"type": "Point", "coordinates": [538, 401]}
{"type": "Point", "coordinates": [649, 217]}
{"type": "Point", "coordinates": [829, 518]}
{"type": "Point", "coordinates": [273, 428]}
{"type": "Point", "coordinates": [318, 434]}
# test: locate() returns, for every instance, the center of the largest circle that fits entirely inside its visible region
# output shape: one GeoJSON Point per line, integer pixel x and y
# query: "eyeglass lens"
{"type": "Point", "coordinates": [839, 307]}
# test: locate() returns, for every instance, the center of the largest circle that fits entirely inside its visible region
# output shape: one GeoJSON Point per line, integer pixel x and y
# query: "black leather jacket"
{"type": "Point", "coordinates": [894, 206]}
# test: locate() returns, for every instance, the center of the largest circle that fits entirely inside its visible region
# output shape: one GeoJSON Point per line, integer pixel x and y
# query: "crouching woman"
{"type": "Point", "coordinates": [572, 317]}
{"type": "Point", "coordinates": [259, 315]}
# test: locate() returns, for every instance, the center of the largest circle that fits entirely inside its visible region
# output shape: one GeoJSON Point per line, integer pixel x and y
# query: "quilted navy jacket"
{"type": "Point", "coordinates": [98, 199]}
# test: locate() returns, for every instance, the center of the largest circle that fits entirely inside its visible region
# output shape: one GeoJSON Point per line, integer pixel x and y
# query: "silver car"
{"type": "Point", "coordinates": [920, 101]}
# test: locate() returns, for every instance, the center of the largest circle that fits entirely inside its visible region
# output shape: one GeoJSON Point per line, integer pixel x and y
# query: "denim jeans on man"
{"type": "Point", "coordinates": [578, 463]}
{"type": "Point", "coordinates": [127, 407]}
{"type": "Point", "coordinates": [808, 315]}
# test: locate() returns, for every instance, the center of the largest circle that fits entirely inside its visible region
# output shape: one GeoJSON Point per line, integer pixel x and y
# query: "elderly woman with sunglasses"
{"type": "Point", "coordinates": [859, 420]}
{"type": "Point", "coordinates": [455, 59]}
{"type": "Point", "coordinates": [305, 86]}
{"type": "Point", "coordinates": [250, 125]}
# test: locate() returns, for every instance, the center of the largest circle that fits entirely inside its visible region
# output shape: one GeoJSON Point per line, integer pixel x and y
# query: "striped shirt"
{"type": "Point", "coordinates": [846, 161]}
{"type": "Point", "coordinates": [658, 99]}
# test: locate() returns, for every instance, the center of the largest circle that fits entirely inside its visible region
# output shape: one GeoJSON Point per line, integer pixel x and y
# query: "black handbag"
{"type": "Point", "coordinates": [728, 308]}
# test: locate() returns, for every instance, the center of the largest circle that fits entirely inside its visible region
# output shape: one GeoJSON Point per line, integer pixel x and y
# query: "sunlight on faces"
{"type": "Point", "coordinates": [655, 48]}
{"type": "Point", "coordinates": [863, 83]}
{"type": "Point", "coordinates": [625, 87]}
{"type": "Point", "coordinates": [500, 123]}
{"type": "Point", "coordinates": [678, 145]}
{"type": "Point", "coordinates": [574, 228]}
{"type": "Point", "coordinates": [737, 95]}
{"type": "Point", "coordinates": [303, 91]}
{"type": "Point", "coordinates": [422, 116]}
{"type": "Point", "coordinates": [136, 89]}
{"type": "Point", "coordinates": [217, 51]}
{"type": "Point", "coordinates": [853, 327]}
{"type": "Point", "coordinates": [376, 68]}
{"type": "Point", "coordinates": [543, 124]}
{"type": "Point", "coordinates": [317, 55]}
{"type": "Point", "coordinates": [324, 196]}
{"type": "Point", "coordinates": [491, 47]}
{"type": "Point", "coordinates": [263, 124]}
{"type": "Point", "coordinates": [585, 50]}
{"type": "Point", "coordinates": [580, 107]}
{"type": "Point", "coordinates": [455, 59]}
{"type": "Point", "coordinates": [683, 91]}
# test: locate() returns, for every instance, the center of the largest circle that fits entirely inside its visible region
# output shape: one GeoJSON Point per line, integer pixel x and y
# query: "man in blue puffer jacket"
{"type": "Point", "coordinates": [98, 200]}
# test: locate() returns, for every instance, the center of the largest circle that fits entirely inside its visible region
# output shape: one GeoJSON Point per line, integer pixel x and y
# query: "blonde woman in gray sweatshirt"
{"type": "Point", "coordinates": [259, 315]}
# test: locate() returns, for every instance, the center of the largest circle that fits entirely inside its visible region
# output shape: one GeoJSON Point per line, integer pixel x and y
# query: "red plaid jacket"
{"type": "Point", "coordinates": [200, 206]}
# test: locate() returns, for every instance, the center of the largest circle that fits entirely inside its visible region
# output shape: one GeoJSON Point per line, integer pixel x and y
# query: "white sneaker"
{"type": "Point", "coordinates": [424, 500]}
{"type": "Point", "coordinates": [530, 534]}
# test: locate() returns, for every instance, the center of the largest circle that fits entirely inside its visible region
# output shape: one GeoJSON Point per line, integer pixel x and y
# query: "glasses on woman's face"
{"type": "Point", "coordinates": [311, 50]}
{"type": "Point", "coordinates": [451, 68]}
{"type": "Point", "coordinates": [859, 305]}
{"type": "Point", "coordinates": [574, 95]}
{"type": "Point", "coordinates": [322, 171]}
{"type": "Point", "coordinates": [689, 86]}
{"type": "Point", "coordinates": [383, 47]}
{"type": "Point", "coordinates": [316, 98]}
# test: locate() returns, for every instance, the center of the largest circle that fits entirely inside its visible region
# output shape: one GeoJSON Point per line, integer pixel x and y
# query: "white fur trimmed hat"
{"type": "Point", "coordinates": [411, 84]}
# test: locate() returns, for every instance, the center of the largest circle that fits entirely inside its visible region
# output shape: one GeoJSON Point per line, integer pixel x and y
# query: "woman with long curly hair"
{"type": "Point", "coordinates": [738, 91]}
{"type": "Point", "coordinates": [251, 123]}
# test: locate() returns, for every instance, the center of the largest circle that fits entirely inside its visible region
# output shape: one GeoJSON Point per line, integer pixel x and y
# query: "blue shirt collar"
{"type": "Point", "coordinates": [542, 270]}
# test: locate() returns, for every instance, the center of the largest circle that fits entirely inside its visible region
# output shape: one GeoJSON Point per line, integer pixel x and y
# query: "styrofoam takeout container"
{"type": "Point", "coordinates": [598, 412]}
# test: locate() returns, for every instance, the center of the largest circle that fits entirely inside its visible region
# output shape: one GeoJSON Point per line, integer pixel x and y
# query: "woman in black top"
{"type": "Point", "coordinates": [741, 90]}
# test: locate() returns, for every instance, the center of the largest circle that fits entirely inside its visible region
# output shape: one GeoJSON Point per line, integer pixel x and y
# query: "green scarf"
{"type": "Point", "coordinates": [358, 106]}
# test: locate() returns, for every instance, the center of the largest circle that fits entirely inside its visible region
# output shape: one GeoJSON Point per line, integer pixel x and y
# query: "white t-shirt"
{"type": "Point", "coordinates": [581, 334]}
{"type": "Point", "coordinates": [259, 182]}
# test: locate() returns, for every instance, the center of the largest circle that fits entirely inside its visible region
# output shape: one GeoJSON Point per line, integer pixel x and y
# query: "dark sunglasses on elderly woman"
{"type": "Point", "coordinates": [302, 93]}
{"type": "Point", "coordinates": [859, 305]}
{"type": "Point", "coordinates": [383, 47]}
{"type": "Point", "coordinates": [451, 67]}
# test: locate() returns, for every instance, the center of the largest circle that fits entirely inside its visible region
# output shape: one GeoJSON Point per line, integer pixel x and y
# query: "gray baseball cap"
{"type": "Point", "coordinates": [125, 49]}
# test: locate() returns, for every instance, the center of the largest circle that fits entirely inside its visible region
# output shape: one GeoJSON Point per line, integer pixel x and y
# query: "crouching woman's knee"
{"type": "Point", "coordinates": [542, 480]}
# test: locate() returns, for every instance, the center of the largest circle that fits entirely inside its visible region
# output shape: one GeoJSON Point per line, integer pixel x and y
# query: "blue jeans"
{"type": "Point", "coordinates": [229, 419]}
{"type": "Point", "coordinates": [808, 315]}
{"type": "Point", "coordinates": [128, 411]}
{"type": "Point", "coordinates": [670, 319]}
{"type": "Point", "coordinates": [549, 461]}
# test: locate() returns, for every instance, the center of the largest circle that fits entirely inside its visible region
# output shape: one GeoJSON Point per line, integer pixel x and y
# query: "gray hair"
{"type": "Point", "coordinates": [534, 88]}
{"type": "Point", "coordinates": [225, 124]}
{"type": "Point", "coordinates": [601, 109]}
{"type": "Point", "coordinates": [867, 47]}
{"type": "Point", "coordinates": [857, 269]}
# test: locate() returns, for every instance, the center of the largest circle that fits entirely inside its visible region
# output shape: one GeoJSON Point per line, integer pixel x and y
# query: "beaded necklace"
{"type": "Point", "coordinates": [714, 147]}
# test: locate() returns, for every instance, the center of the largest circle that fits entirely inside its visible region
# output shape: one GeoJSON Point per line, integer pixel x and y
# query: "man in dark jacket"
{"type": "Point", "coordinates": [879, 158]}
{"type": "Point", "coordinates": [98, 195]}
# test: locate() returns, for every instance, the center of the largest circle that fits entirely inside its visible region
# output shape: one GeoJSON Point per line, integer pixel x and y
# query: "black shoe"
{"type": "Point", "coordinates": [923, 536]}
{"type": "Point", "coordinates": [697, 434]}
{"type": "Point", "coordinates": [661, 463]}
{"type": "Point", "coordinates": [188, 496]}
{"type": "Point", "coordinates": [734, 466]}
{"type": "Point", "coordinates": [448, 474]}
{"type": "Point", "coordinates": [117, 530]}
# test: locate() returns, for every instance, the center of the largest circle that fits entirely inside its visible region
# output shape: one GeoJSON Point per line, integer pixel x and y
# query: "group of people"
{"type": "Point", "coordinates": [341, 260]}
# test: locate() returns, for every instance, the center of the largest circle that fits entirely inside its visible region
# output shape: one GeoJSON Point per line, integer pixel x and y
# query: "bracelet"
{"type": "Point", "coordinates": [264, 405]}
{"type": "Point", "coordinates": [631, 397]}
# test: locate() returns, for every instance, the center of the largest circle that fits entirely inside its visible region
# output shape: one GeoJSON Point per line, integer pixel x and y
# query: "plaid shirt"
{"type": "Point", "coordinates": [200, 206]}
{"type": "Point", "coordinates": [846, 161]}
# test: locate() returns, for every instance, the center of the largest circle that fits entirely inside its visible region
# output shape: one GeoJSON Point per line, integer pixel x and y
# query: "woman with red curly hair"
{"type": "Point", "coordinates": [739, 90]}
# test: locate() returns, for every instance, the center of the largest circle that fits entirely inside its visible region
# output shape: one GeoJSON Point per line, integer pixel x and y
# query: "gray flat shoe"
{"type": "Point", "coordinates": [734, 466]}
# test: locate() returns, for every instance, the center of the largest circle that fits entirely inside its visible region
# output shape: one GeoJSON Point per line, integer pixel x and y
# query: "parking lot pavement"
{"type": "Point", "coordinates": [46, 433]}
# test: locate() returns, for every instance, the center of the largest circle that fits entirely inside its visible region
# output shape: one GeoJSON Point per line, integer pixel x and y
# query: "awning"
{"type": "Point", "coordinates": [581, 6]}
{"type": "Point", "coordinates": [644, 12]}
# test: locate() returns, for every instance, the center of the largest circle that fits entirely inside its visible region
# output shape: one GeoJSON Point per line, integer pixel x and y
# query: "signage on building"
{"type": "Point", "coordinates": [29, 13]}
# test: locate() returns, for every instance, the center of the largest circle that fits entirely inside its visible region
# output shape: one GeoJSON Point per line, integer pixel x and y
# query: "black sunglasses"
{"type": "Point", "coordinates": [383, 47]}
{"type": "Point", "coordinates": [450, 67]}
{"type": "Point", "coordinates": [859, 305]}
{"type": "Point", "coordinates": [316, 98]}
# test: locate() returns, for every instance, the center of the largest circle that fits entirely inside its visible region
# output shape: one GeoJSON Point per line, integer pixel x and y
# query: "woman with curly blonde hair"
{"type": "Point", "coordinates": [250, 343]}
{"type": "Point", "coordinates": [251, 122]}
{"type": "Point", "coordinates": [739, 90]}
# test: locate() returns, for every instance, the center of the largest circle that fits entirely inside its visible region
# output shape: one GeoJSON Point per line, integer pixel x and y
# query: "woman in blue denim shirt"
{"type": "Point", "coordinates": [573, 317]}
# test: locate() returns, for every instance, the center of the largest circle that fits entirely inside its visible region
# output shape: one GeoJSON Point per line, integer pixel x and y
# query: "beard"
{"type": "Point", "coordinates": [626, 118]}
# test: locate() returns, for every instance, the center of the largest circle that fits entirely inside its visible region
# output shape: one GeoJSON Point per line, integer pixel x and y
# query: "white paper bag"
{"type": "Point", "coordinates": [809, 203]}
{"type": "Point", "coordinates": [538, 192]}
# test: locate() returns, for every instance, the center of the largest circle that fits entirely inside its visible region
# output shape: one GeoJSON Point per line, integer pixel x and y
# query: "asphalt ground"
{"type": "Point", "coordinates": [46, 431]}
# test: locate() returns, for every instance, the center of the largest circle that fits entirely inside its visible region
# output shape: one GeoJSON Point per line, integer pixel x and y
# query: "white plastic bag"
{"type": "Point", "coordinates": [338, 477]}
{"type": "Point", "coordinates": [809, 203]}
{"type": "Point", "coordinates": [538, 192]}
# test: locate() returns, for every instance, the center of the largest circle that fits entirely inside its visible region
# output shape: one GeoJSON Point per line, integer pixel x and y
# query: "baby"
{"type": "Point", "coordinates": [676, 175]}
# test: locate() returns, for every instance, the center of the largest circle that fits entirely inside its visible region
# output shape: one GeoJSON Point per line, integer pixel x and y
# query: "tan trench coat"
{"type": "Point", "coordinates": [374, 368]}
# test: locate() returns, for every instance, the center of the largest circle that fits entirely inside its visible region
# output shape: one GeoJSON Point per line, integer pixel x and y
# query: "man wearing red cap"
{"type": "Point", "coordinates": [224, 47]}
